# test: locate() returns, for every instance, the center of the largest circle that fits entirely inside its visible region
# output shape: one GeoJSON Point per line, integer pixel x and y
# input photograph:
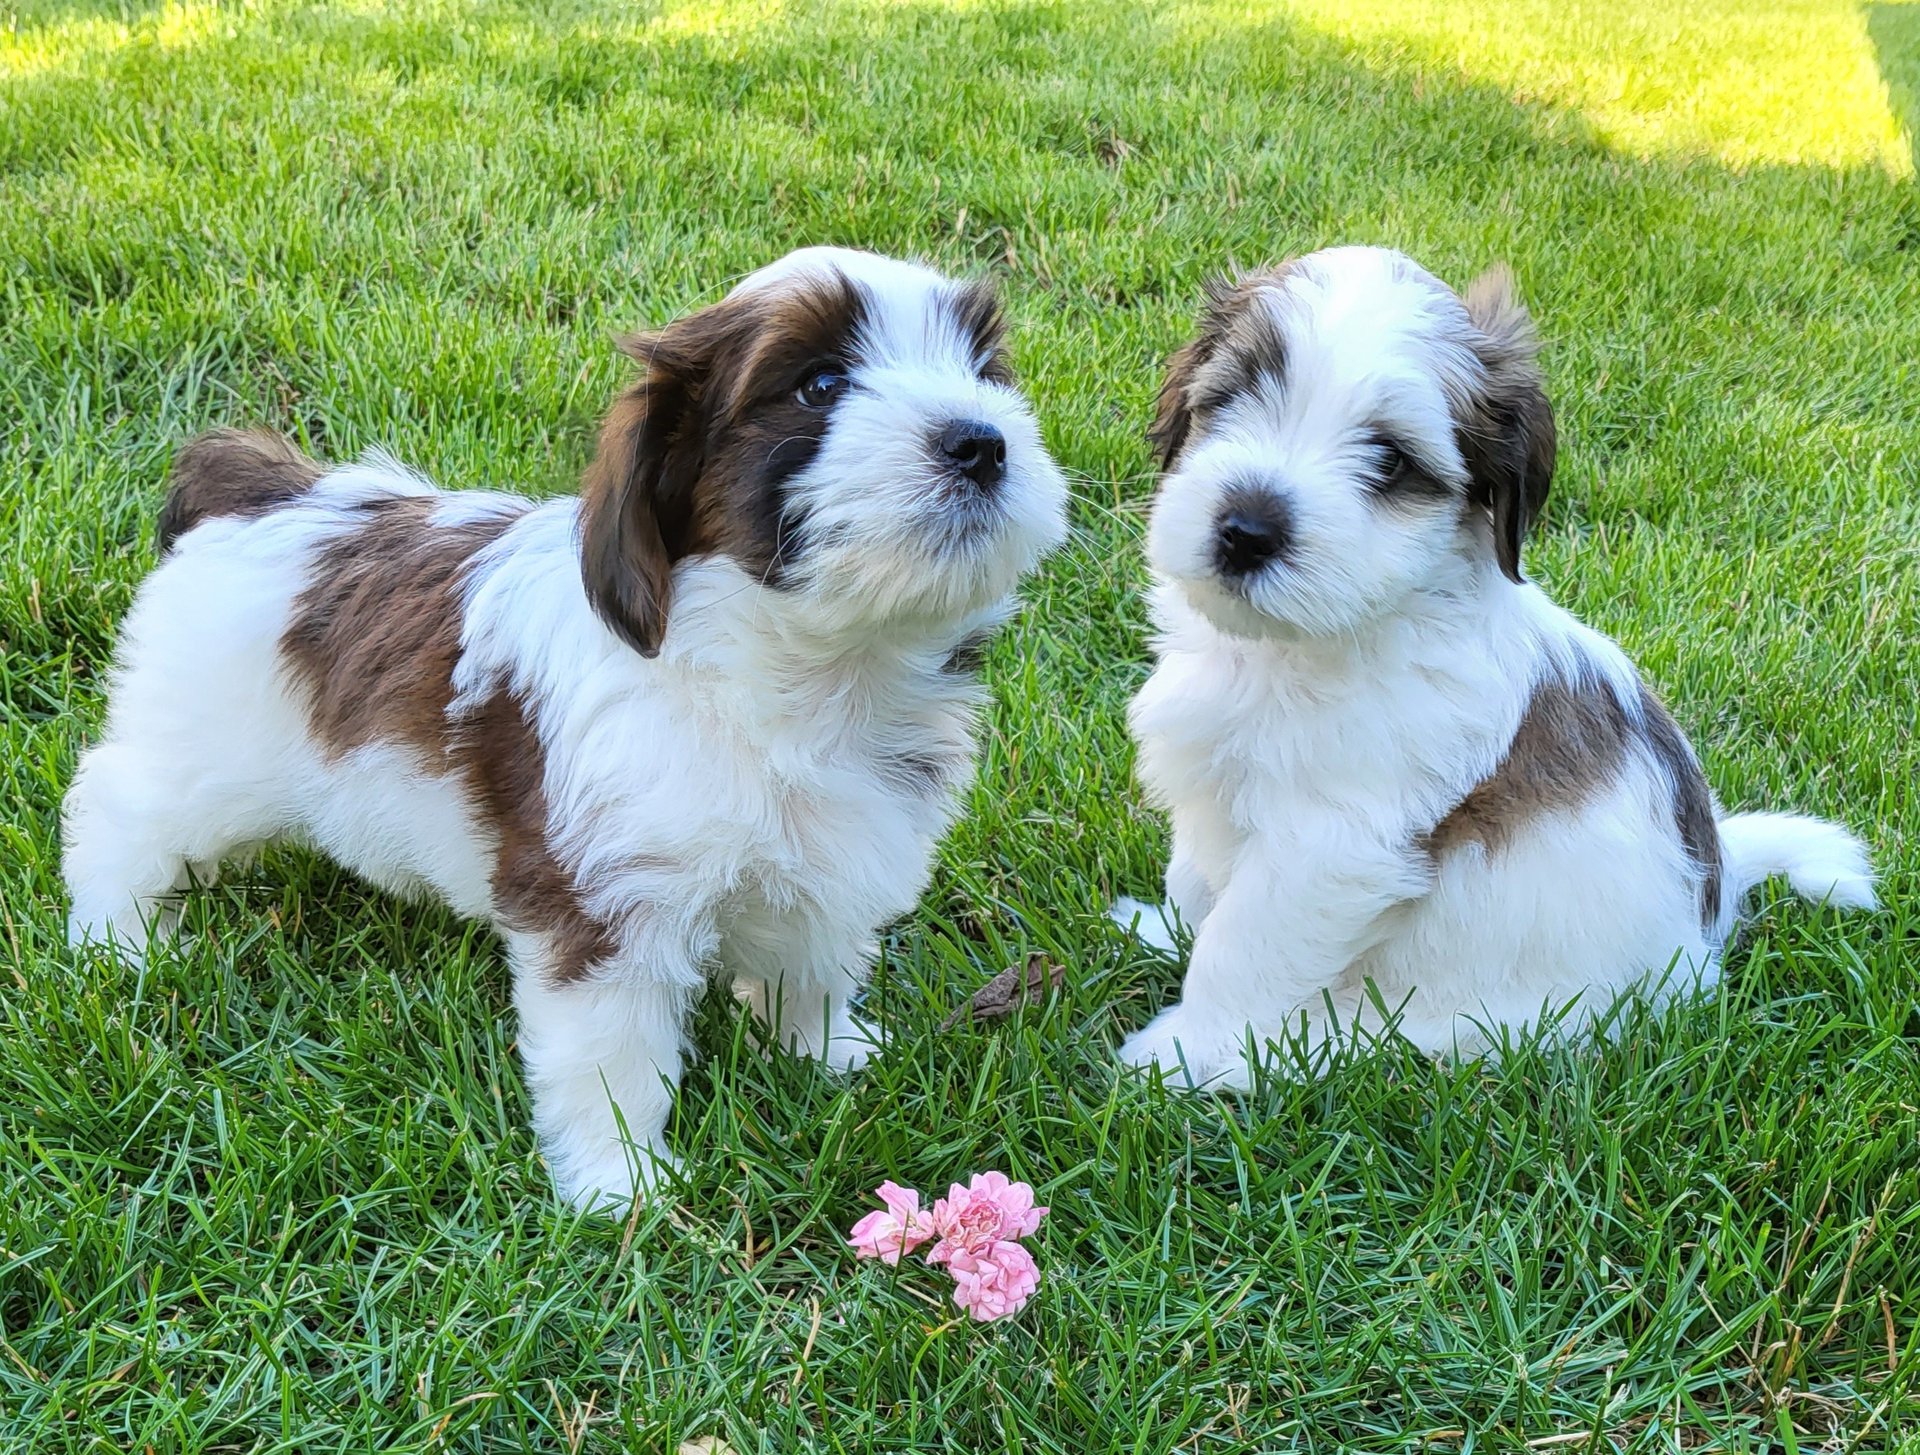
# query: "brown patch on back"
{"type": "Point", "coordinates": [1694, 814]}
{"type": "Point", "coordinates": [1570, 744]}
{"type": "Point", "coordinates": [373, 643]}
{"type": "Point", "coordinates": [375, 635]}
{"type": "Point", "coordinates": [234, 472]}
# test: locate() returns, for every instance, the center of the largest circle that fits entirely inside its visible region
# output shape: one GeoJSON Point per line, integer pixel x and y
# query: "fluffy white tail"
{"type": "Point", "coordinates": [1821, 860]}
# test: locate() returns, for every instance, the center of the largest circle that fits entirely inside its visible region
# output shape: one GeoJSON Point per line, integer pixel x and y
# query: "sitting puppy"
{"type": "Point", "coordinates": [708, 718]}
{"type": "Point", "coordinates": [1387, 757]}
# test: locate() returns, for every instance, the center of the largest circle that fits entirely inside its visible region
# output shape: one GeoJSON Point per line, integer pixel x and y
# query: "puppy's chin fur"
{"type": "Point", "coordinates": [1407, 791]}
{"type": "Point", "coordinates": [709, 719]}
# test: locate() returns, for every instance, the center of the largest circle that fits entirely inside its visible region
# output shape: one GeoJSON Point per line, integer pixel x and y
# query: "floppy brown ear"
{"type": "Point", "coordinates": [637, 494]}
{"type": "Point", "coordinates": [1507, 434]}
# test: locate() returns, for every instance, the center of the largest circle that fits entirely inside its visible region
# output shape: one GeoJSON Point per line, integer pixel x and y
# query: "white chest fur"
{"type": "Point", "coordinates": [704, 799]}
{"type": "Point", "coordinates": [1300, 742]}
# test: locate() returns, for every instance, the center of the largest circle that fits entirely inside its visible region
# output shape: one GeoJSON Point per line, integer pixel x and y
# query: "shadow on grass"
{"type": "Point", "coordinates": [1895, 30]}
{"type": "Point", "coordinates": [1099, 167]}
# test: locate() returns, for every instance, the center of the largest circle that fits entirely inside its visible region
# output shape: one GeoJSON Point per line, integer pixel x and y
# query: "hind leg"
{"type": "Point", "coordinates": [135, 832]}
{"type": "Point", "coordinates": [204, 750]}
{"type": "Point", "coordinates": [122, 856]}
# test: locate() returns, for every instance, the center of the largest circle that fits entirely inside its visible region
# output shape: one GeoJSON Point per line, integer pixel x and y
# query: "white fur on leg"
{"type": "Point", "coordinates": [123, 856]}
{"type": "Point", "coordinates": [803, 1017]}
{"type": "Point", "coordinates": [800, 976]}
{"type": "Point", "coordinates": [1151, 924]}
{"type": "Point", "coordinates": [1190, 895]}
{"type": "Point", "coordinates": [1206, 1047]}
{"type": "Point", "coordinates": [1196, 1047]}
{"type": "Point", "coordinates": [1255, 973]}
{"type": "Point", "coordinates": [602, 1060]}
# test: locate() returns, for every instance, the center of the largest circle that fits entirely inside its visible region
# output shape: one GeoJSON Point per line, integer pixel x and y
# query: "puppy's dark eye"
{"type": "Point", "coordinates": [1389, 462]}
{"type": "Point", "coordinates": [823, 387]}
{"type": "Point", "coordinates": [1393, 474]}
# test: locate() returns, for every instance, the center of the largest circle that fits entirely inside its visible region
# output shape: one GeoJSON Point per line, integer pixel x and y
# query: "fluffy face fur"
{"type": "Point", "coordinates": [818, 427]}
{"type": "Point", "coordinates": [1343, 430]}
{"type": "Point", "coordinates": [1403, 784]}
{"type": "Point", "coordinates": [706, 720]}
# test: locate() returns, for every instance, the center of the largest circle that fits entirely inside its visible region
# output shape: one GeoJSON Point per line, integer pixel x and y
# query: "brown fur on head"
{"type": "Point", "coordinates": [1507, 434]}
{"type": "Point", "coordinates": [1506, 430]}
{"type": "Point", "coordinates": [692, 458]}
{"type": "Point", "coordinates": [1234, 343]}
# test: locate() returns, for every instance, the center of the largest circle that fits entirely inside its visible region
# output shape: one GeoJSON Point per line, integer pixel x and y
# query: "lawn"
{"type": "Point", "coordinates": [277, 1191]}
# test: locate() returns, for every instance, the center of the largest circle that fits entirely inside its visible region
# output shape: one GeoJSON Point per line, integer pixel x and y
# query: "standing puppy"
{"type": "Point", "coordinates": [1387, 757]}
{"type": "Point", "coordinates": [708, 718]}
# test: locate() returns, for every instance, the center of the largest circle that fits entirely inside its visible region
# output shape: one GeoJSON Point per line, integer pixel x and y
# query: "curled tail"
{"type": "Point", "coordinates": [241, 472]}
{"type": "Point", "coordinates": [1821, 860]}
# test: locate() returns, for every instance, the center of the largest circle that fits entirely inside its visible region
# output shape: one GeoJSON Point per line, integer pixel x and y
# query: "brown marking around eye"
{"type": "Point", "coordinates": [1239, 344]}
{"type": "Point", "coordinates": [976, 307]}
{"type": "Point", "coordinates": [694, 457]}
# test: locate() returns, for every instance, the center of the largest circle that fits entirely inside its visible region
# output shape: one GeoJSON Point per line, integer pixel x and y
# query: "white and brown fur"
{"type": "Point", "coordinates": [1403, 783]}
{"type": "Point", "coordinates": [706, 720]}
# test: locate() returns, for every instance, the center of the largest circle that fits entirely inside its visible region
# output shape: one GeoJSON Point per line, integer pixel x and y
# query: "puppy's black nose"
{"type": "Point", "coordinates": [976, 450]}
{"type": "Point", "coordinates": [1251, 532]}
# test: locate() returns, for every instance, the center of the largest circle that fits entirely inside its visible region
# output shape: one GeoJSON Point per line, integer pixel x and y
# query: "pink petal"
{"type": "Point", "coordinates": [915, 1233]}
{"type": "Point", "coordinates": [894, 1231]}
{"type": "Point", "coordinates": [902, 1202]}
{"type": "Point", "coordinates": [1030, 1221]}
{"type": "Point", "coordinates": [875, 1236]}
{"type": "Point", "coordinates": [995, 1284]}
{"type": "Point", "coordinates": [992, 1184]}
{"type": "Point", "coordinates": [1019, 1274]}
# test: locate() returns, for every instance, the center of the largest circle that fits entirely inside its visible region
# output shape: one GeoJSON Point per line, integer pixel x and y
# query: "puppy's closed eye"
{"type": "Point", "coordinates": [1395, 472]}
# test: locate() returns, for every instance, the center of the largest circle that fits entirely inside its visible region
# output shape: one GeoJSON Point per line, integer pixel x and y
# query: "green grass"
{"type": "Point", "coordinates": [278, 1193]}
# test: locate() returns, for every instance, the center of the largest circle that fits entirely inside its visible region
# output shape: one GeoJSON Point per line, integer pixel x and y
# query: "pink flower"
{"type": "Point", "coordinates": [995, 1282]}
{"type": "Point", "coordinates": [977, 1226]}
{"type": "Point", "coordinates": [990, 1210]}
{"type": "Point", "coordinates": [898, 1230]}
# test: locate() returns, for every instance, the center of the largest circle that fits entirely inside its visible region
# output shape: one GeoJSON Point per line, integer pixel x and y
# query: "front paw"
{"type": "Point", "coordinates": [845, 1044]}
{"type": "Point", "coordinates": [853, 1043]}
{"type": "Point", "coordinates": [1152, 924]}
{"type": "Point", "coordinates": [1193, 1051]}
{"type": "Point", "coordinates": [611, 1183]}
